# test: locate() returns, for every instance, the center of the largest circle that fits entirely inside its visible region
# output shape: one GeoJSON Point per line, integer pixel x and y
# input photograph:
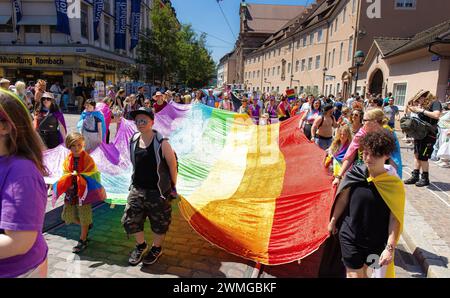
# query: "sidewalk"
{"type": "Point", "coordinates": [427, 216]}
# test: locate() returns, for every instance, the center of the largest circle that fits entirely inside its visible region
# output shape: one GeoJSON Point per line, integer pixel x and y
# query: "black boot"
{"type": "Point", "coordinates": [414, 177]}
{"type": "Point", "coordinates": [424, 181]}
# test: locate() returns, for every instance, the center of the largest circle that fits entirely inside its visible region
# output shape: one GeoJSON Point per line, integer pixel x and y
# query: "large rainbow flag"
{"type": "Point", "coordinates": [259, 192]}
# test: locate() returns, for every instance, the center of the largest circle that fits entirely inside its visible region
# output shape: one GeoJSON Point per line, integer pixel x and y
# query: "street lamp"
{"type": "Point", "coordinates": [359, 59]}
{"type": "Point", "coordinates": [324, 77]}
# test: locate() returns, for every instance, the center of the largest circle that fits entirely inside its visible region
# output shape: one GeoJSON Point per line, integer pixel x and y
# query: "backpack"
{"type": "Point", "coordinates": [416, 128]}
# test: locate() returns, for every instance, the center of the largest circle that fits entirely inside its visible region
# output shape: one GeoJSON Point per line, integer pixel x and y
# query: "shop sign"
{"type": "Point", "coordinates": [36, 61]}
{"type": "Point", "coordinates": [100, 66]}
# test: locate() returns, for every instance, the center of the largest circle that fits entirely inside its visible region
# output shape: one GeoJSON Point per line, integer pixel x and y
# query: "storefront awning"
{"type": "Point", "coordinates": [4, 20]}
{"type": "Point", "coordinates": [38, 20]}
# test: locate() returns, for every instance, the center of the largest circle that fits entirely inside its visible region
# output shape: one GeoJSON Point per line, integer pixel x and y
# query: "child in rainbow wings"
{"type": "Point", "coordinates": [81, 184]}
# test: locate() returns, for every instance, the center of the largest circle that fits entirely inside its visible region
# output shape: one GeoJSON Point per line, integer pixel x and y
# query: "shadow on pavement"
{"type": "Point", "coordinates": [185, 253]}
{"type": "Point", "coordinates": [439, 186]}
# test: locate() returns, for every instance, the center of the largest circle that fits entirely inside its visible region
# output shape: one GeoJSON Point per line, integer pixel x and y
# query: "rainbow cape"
{"type": "Point", "coordinates": [259, 192]}
{"type": "Point", "coordinates": [89, 190]}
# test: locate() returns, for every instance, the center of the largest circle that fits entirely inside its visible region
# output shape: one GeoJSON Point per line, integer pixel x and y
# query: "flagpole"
{"type": "Point", "coordinates": [256, 270]}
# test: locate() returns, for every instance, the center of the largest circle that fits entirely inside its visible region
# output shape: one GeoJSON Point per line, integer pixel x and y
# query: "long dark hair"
{"type": "Point", "coordinates": [23, 140]}
{"type": "Point", "coordinates": [53, 108]}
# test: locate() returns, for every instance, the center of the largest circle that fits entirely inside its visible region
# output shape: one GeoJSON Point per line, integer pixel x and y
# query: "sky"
{"type": "Point", "coordinates": [206, 16]}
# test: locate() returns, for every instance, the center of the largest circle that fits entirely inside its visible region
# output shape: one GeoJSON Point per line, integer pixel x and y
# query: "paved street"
{"type": "Point", "coordinates": [186, 254]}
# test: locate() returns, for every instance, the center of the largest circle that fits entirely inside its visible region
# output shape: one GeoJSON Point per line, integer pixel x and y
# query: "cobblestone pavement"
{"type": "Point", "coordinates": [186, 254]}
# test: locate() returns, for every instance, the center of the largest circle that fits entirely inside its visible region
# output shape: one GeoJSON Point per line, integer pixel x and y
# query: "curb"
{"type": "Point", "coordinates": [430, 251]}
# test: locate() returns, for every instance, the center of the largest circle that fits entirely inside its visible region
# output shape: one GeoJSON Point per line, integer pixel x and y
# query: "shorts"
{"type": "Point", "coordinates": [323, 143]}
{"type": "Point", "coordinates": [75, 214]}
{"type": "Point", "coordinates": [424, 148]}
{"type": "Point", "coordinates": [143, 203]}
{"type": "Point", "coordinates": [355, 256]}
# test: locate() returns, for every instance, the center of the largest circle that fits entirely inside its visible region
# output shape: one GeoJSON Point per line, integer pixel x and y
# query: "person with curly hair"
{"type": "Point", "coordinates": [368, 210]}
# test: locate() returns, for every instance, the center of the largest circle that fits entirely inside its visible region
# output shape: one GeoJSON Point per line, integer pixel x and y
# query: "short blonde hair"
{"type": "Point", "coordinates": [20, 86]}
{"type": "Point", "coordinates": [377, 115]}
{"type": "Point", "coordinates": [73, 138]}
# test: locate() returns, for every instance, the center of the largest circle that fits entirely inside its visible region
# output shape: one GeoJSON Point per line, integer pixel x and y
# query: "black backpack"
{"type": "Point", "coordinates": [416, 128]}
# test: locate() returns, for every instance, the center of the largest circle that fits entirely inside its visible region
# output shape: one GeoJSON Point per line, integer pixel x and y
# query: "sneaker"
{"type": "Point", "coordinates": [137, 255]}
{"type": "Point", "coordinates": [81, 246]}
{"type": "Point", "coordinates": [152, 256]}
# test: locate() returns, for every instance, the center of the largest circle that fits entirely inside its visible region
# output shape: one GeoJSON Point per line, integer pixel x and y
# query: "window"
{"type": "Point", "coordinates": [297, 64]}
{"type": "Point", "coordinates": [254, 74]}
{"type": "Point", "coordinates": [53, 29]}
{"type": "Point", "coordinates": [107, 6]}
{"type": "Point", "coordinates": [344, 15]}
{"type": "Point", "coordinates": [254, 60]}
{"type": "Point", "coordinates": [353, 6]}
{"type": "Point", "coordinates": [338, 88]}
{"type": "Point", "coordinates": [350, 48]}
{"type": "Point", "coordinates": [264, 72]}
{"type": "Point", "coordinates": [6, 28]}
{"type": "Point", "coordinates": [336, 24]}
{"type": "Point", "coordinates": [33, 29]}
{"type": "Point", "coordinates": [332, 58]}
{"type": "Point", "coordinates": [318, 62]}
{"type": "Point", "coordinates": [319, 35]}
{"type": "Point", "coordinates": [278, 70]}
{"type": "Point", "coordinates": [273, 71]}
{"type": "Point", "coordinates": [279, 51]}
{"type": "Point", "coordinates": [331, 29]}
{"type": "Point", "coordinates": [289, 68]}
{"type": "Point", "coordinates": [84, 21]}
{"type": "Point", "coordinates": [400, 94]}
{"type": "Point", "coordinates": [326, 90]}
{"type": "Point", "coordinates": [257, 75]}
{"type": "Point", "coordinates": [269, 54]}
{"type": "Point", "coordinates": [289, 47]}
{"type": "Point", "coordinates": [310, 62]}
{"type": "Point", "coordinates": [304, 41]}
{"type": "Point", "coordinates": [341, 53]}
{"type": "Point", "coordinates": [405, 4]}
{"type": "Point", "coordinates": [259, 59]}
{"type": "Point", "coordinates": [298, 44]}
{"type": "Point", "coordinates": [303, 64]}
{"type": "Point", "coordinates": [329, 59]}
{"type": "Point", "coordinates": [107, 31]}
{"type": "Point", "coordinates": [311, 39]}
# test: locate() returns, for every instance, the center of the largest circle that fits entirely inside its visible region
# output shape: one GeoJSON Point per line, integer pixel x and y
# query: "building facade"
{"type": "Point", "coordinates": [226, 71]}
{"type": "Point", "coordinates": [314, 52]}
{"type": "Point", "coordinates": [32, 48]}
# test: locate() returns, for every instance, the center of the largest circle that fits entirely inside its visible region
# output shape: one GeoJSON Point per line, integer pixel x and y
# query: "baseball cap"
{"type": "Point", "coordinates": [144, 111]}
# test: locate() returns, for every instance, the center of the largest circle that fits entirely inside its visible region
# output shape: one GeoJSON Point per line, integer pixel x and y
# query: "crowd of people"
{"type": "Point", "coordinates": [357, 135]}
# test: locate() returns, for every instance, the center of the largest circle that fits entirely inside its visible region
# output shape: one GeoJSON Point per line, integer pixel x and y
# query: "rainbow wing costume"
{"type": "Point", "coordinates": [89, 189]}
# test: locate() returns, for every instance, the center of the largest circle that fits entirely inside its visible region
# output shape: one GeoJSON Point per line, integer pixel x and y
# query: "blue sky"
{"type": "Point", "coordinates": [206, 16]}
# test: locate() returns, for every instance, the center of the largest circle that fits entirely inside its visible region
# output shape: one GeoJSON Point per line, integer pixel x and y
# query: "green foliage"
{"type": "Point", "coordinates": [174, 53]}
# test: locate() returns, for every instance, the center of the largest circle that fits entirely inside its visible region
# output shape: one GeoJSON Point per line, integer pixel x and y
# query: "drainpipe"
{"type": "Point", "coordinates": [262, 71]}
{"type": "Point", "coordinates": [326, 51]}
{"type": "Point", "coordinates": [292, 62]}
{"type": "Point", "coordinates": [356, 35]}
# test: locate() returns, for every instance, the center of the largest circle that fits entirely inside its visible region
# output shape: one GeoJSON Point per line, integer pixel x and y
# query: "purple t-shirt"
{"type": "Point", "coordinates": [23, 197]}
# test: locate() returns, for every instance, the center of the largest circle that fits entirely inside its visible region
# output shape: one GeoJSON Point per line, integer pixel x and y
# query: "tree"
{"type": "Point", "coordinates": [174, 53]}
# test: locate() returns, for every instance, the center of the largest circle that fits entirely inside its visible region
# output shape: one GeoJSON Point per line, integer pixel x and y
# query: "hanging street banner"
{"type": "Point", "coordinates": [18, 10]}
{"type": "Point", "coordinates": [135, 22]}
{"type": "Point", "coordinates": [120, 24]}
{"type": "Point", "coordinates": [62, 24]}
{"type": "Point", "coordinates": [98, 9]}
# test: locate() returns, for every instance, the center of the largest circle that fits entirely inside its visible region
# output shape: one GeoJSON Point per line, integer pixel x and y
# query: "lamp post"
{"type": "Point", "coordinates": [267, 82]}
{"type": "Point", "coordinates": [324, 77]}
{"type": "Point", "coordinates": [359, 59]}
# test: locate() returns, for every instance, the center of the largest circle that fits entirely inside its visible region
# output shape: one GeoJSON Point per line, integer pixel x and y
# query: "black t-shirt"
{"type": "Point", "coordinates": [78, 91]}
{"type": "Point", "coordinates": [48, 124]}
{"type": "Point", "coordinates": [367, 220]}
{"type": "Point", "coordinates": [435, 106]}
{"type": "Point", "coordinates": [140, 98]}
{"type": "Point", "coordinates": [145, 174]}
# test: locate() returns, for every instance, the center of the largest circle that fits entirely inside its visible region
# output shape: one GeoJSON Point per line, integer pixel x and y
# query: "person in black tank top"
{"type": "Point", "coordinates": [154, 178]}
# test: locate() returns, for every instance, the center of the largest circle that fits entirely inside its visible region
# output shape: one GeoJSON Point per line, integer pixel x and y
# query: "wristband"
{"type": "Point", "coordinates": [338, 177]}
{"type": "Point", "coordinates": [390, 248]}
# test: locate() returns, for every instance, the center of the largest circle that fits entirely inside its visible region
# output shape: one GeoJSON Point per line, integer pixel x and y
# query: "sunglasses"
{"type": "Point", "coordinates": [46, 99]}
{"type": "Point", "coordinates": [141, 122]}
{"type": "Point", "coordinates": [356, 115]}
{"type": "Point", "coordinates": [367, 120]}
{"type": "Point", "coordinates": [146, 103]}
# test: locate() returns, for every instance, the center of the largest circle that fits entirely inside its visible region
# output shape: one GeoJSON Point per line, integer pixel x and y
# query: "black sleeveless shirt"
{"type": "Point", "coordinates": [146, 172]}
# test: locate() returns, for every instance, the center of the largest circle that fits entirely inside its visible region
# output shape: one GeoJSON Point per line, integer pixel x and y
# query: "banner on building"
{"type": "Point", "coordinates": [98, 9]}
{"type": "Point", "coordinates": [62, 24]}
{"type": "Point", "coordinates": [18, 10]}
{"type": "Point", "coordinates": [120, 24]}
{"type": "Point", "coordinates": [135, 22]}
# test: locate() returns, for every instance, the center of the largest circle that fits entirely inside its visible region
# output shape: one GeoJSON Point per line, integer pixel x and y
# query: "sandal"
{"type": "Point", "coordinates": [81, 246]}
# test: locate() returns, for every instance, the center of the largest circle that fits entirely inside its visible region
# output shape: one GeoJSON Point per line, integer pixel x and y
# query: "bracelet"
{"type": "Point", "coordinates": [390, 247]}
{"type": "Point", "coordinates": [338, 177]}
